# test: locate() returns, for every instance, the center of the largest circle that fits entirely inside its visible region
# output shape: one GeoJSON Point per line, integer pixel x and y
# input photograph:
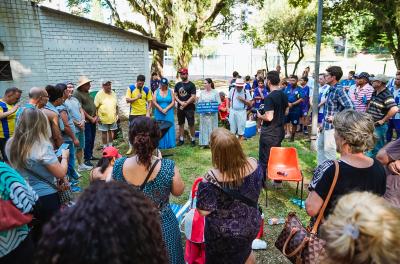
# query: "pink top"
{"type": "Point", "coordinates": [361, 96]}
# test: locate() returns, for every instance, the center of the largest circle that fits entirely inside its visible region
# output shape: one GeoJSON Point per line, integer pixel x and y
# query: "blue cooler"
{"type": "Point", "coordinates": [251, 129]}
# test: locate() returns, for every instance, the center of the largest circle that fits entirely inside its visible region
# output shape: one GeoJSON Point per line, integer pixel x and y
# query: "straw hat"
{"type": "Point", "coordinates": [82, 80]}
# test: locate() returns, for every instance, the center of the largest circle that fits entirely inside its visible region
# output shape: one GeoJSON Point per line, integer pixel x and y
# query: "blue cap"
{"type": "Point", "coordinates": [164, 81]}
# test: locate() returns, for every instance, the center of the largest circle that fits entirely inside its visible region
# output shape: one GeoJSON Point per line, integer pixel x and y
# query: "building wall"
{"type": "Point", "coordinates": [20, 35]}
{"type": "Point", "coordinates": [53, 47]}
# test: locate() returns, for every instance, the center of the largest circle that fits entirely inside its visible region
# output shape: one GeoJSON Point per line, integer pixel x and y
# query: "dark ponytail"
{"type": "Point", "coordinates": [103, 163]}
{"type": "Point", "coordinates": [210, 82]}
{"type": "Point", "coordinates": [144, 135]}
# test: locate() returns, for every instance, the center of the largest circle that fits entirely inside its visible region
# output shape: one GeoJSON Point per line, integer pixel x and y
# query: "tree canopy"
{"type": "Point", "coordinates": [179, 23]}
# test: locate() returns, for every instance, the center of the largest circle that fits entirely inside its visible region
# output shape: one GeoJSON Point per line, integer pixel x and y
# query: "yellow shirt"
{"type": "Point", "coordinates": [106, 105]}
{"type": "Point", "coordinates": [7, 125]}
{"type": "Point", "coordinates": [139, 106]}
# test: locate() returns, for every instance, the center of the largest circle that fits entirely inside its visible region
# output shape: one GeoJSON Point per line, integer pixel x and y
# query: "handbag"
{"type": "Point", "coordinates": [11, 216]}
{"type": "Point", "coordinates": [63, 189]}
{"type": "Point", "coordinates": [299, 244]}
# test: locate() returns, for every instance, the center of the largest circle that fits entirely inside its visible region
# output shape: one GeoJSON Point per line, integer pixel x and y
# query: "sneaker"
{"type": "Point", "coordinates": [129, 152]}
{"type": "Point", "coordinates": [76, 189]}
{"type": "Point", "coordinates": [88, 163]}
{"type": "Point", "coordinates": [193, 143]}
{"type": "Point", "coordinates": [84, 167]}
{"type": "Point", "coordinates": [287, 136]}
{"type": "Point", "coordinates": [181, 142]}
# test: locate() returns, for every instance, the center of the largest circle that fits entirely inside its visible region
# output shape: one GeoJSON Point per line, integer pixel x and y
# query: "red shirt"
{"type": "Point", "coordinates": [223, 114]}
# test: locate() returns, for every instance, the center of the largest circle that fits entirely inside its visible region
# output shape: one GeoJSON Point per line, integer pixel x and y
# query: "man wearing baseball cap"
{"type": "Point", "coordinates": [381, 107]}
{"type": "Point", "coordinates": [361, 94]}
{"type": "Point", "coordinates": [185, 95]}
{"type": "Point", "coordinates": [238, 101]}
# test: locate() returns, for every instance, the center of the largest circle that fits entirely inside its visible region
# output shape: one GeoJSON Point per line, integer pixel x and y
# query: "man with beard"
{"type": "Point", "coordinates": [185, 95]}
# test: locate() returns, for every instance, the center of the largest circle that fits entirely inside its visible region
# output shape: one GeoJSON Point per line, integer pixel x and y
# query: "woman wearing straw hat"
{"type": "Point", "coordinates": [89, 109]}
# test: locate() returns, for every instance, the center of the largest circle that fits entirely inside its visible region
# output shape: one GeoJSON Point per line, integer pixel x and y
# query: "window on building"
{"type": "Point", "coordinates": [5, 71]}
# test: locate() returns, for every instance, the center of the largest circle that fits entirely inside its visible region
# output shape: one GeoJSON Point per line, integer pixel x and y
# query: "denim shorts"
{"type": "Point", "coordinates": [107, 127]}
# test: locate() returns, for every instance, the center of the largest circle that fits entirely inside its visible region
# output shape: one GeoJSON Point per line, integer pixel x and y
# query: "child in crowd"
{"type": "Point", "coordinates": [104, 167]}
{"type": "Point", "coordinates": [305, 104]}
{"type": "Point", "coordinates": [258, 99]}
{"type": "Point", "coordinates": [247, 85]}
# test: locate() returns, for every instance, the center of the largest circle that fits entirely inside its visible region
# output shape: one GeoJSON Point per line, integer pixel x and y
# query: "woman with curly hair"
{"type": "Point", "coordinates": [354, 135]}
{"type": "Point", "coordinates": [110, 223]}
{"type": "Point", "coordinates": [363, 228]}
{"type": "Point", "coordinates": [156, 177]}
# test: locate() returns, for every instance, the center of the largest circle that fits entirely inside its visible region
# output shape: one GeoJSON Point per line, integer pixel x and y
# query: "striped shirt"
{"type": "Point", "coordinates": [360, 96]}
{"type": "Point", "coordinates": [380, 104]}
{"type": "Point", "coordinates": [7, 123]}
{"type": "Point", "coordinates": [14, 187]}
{"type": "Point", "coordinates": [336, 101]}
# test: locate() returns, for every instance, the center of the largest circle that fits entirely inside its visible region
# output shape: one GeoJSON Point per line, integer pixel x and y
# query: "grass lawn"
{"type": "Point", "coordinates": [194, 162]}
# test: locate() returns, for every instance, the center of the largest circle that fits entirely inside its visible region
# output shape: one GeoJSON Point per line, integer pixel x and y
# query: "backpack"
{"type": "Point", "coordinates": [132, 87]}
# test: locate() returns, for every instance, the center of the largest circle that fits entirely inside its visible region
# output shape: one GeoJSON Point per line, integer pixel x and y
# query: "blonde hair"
{"type": "Point", "coordinates": [33, 127]}
{"type": "Point", "coordinates": [356, 129]}
{"type": "Point", "coordinates": [228, 157]}
{"type": "Point", "coordinates": [363, 228]}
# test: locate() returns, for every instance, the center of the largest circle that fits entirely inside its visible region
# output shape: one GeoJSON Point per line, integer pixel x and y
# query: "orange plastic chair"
{"type": "Point", "coordinates": [283, 165]}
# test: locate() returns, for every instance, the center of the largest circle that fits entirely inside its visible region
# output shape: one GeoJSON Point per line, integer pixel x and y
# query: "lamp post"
{"type": "Point", "coordinates": [316, 88]}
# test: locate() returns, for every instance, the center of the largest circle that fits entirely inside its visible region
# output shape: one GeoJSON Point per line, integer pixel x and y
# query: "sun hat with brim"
{"type": "Point", "coordinates": [83, 80]}
{"type": "Point", "coordinates": [239, 83]}
{"type": "Point", "coordinates": [381, 78]}
{"type": "Point", "coordinates": [111, 152]}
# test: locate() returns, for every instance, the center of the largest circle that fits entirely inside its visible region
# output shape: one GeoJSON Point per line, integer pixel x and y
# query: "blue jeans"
{"type": "Point", "coordinates": [71, 162]}
{"type": "Point", "coordinates": [393, 124]}
{"type": "Point", "coordinates": [90, 134]}
{"type": "Point", "coordinates": [380, 133]}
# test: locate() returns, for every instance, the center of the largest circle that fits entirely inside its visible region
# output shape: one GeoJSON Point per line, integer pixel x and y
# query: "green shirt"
{"type": "Point", "coordinates": [86, 101]}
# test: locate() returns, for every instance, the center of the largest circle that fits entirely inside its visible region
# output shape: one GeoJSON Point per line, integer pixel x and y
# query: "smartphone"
{"type": "Point", "coordinates": [62, 147]}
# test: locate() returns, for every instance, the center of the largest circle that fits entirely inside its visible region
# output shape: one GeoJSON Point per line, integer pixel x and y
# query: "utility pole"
{"type": "Point", "coordinates": [316, 88]}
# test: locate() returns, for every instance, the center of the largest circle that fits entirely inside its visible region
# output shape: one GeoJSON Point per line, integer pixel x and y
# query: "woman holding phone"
{"type": "Point", "coordinates": [31, 153]}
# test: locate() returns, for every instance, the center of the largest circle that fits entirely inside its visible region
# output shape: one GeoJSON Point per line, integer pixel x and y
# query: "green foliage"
{"type": "Point", "coordinates": [290, 28]}
{"type": "Point", "coordinates": [367, 23]}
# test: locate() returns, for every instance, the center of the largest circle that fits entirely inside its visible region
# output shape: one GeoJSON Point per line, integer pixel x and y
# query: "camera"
{"type": "Point", "coordinates": [260, 110]}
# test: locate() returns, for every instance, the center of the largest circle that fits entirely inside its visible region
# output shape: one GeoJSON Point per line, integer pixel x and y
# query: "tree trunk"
{"type": "Point", "coordinates": [158, 62]}
{"type": "Point", "coordinates": [285, 63]}
{"type": "Point", "coordinates": [396, 58]}
{"type": "Point", "coordinates": [300, 50]}
{"type": "Point", "coordinates": [266, 60]}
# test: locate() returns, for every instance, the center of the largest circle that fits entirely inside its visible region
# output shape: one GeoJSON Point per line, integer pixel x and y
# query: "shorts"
{"type": "Point", "coordinates": [185, 113]}
{"type": "Point", "coordinates": [108, 127]}
{"type": "Point", "coordinates": [293, 118]}
{"type": "Point", "coordinates": [304, 110]}
{"type": "Point", "coordinates": [81, 137]}
{"type": "Point", "coordinates": [237, 121]}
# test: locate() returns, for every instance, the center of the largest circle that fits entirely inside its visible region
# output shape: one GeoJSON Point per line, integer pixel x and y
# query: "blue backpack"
{"type": "Point", "coordinates": [132, 87]}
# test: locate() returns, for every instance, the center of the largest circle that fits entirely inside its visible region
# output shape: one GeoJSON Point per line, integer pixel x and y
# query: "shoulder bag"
{"type": "Point", "coordinates": [234, 194]}
{"type": "Point", "coordinates": [296, 242]}
{"type": "Point", "coordinates": [63, 189]}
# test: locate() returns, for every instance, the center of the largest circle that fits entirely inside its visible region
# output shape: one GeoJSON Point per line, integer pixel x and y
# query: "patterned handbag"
{"type": "Point", "coordinates": [63, 189]}
{"type": "Point", "coordinates": [296, 242]}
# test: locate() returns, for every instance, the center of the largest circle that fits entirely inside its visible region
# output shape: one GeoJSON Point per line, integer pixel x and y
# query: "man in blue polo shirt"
{"type": "Point", "coordinates": [295, 97]}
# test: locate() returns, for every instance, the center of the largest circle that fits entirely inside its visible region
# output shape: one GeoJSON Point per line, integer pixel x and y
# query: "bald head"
{"type": "Point", "coordinates": [38, 96]}
{"type": "Point", "coordinates": [37, 92]}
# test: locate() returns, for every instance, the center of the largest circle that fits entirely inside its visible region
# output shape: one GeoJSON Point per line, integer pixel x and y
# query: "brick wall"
{"type": "Point", "coordinates": [20, 35]}
{"type": "Point", "coordinates": [47, 46]}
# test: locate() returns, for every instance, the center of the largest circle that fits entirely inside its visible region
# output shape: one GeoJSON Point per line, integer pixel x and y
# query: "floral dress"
{"type": "Point", "coordinates": [231, 226]}
{"type": "Point", "coordinates": [158, 190]}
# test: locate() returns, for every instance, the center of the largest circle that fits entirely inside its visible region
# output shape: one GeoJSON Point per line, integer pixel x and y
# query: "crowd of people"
{"type": "Point", "coordinates": [125, 216]}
